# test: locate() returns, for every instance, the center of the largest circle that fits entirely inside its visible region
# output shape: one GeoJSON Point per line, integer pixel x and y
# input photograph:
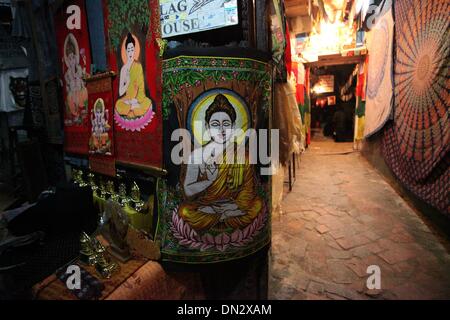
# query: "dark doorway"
{"type": "Point", "coordinates": [333, 102]}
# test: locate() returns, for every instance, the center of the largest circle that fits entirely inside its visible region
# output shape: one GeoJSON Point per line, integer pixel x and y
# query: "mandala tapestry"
{"type": "Point", "coordinates": [416, 145]}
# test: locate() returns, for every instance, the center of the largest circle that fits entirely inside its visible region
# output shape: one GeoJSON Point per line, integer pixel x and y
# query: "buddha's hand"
{"type": "Point", "coordinates": [134, 104]}
{"type": "Point", "coordinates": [229, 210]}
{"type": "Point", "coordinates": [212, 171]}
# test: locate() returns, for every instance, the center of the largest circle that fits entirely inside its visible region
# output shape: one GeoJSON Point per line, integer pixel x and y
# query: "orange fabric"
{"type": "Point", "coordinates": [136, 280]}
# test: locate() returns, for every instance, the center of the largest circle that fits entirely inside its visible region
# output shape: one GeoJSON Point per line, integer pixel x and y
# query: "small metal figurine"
{"type": "Point", "coordinates": [138, 204]}
{"type": "Point", "coordinates": [124, 200]}
{"type": "Point", "coordinates": [91, 181]}
{"type": "Point", "coordinates": [111, 191]}
{"type": "Point", "coordinates": [103, 191]}
{"type": "Point", "coordinates": [87, 253]}
{"type": "Point", "coordinates": [104, 266]}
{"type": "Point", "coordinates": [76, 174]}
{"type": "Point", "coordinates": [81, 182]}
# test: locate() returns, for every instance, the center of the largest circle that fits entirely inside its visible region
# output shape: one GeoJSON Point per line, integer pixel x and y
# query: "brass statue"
{"type": "Point", "coordinates": [104, 266]}
{"type": "Point", "coordinates": [111, 191]}
{"type": "Point", "coordinates": [81, 182]}
{"type": "Point", "coordinates": [87, 252]}
{"type": "Point", "coordinates": [124, 200]}
{"type": "Point", "coordinates": [138, 204]}
{"type": "Point", "coordinates": [103, 191]}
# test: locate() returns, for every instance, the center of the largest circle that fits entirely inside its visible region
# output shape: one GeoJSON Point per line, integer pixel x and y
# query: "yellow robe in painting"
{"type": "Point", "coordinates": [235, 183]}
{"type": "Point", "coordinates": [136, 90]}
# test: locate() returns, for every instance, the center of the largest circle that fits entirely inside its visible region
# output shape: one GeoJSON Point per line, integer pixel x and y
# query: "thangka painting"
{"type": "Point", "coordinates": [217, 205]}
{"type": "Point", "coordinates": [74, 52]}
{"type": "Point", "coordinates": [101, 140]}
{"type": "Point", "coordinates": [134, 30]}
{"type": "Point", "coordinates": [379, 91]}
{"type": "Point", "coordinates": [416, 145]}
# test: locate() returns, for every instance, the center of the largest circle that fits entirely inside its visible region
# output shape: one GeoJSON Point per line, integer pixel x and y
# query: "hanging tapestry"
{"type": "Point", "coordinates": [307, 107]}
{"type": "Point", "coordinates": [215, 210]}
{"type": "Point", "coordinates": [74, 52]}
{"type": "Point", "coordinates": [379, 93]}
{"type": "Point", "coordinates": [361, 99]}
{"type": "Point", "coordinates": [101, 146]}
{"type": "Point", "coordinates": [416, 145]}
{"type": "Point", "coordinates": [134, 30]}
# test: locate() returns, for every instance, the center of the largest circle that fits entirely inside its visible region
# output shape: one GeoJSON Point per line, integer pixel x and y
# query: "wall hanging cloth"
{"type": "Point", "coordinates": [216, 210]}
{"type": "Point", "coordinates": [101, 140]}
{"type": "Point", "coordinates": [287, 119]}
{"type": "Point", "coordinates": [379, 93]}
{"type": "Point", "coordinates": [134, 31]}
{"type": "Point", "coordinates": [75, 59]}
{"type": "Point", "coordinates": [416, 145]}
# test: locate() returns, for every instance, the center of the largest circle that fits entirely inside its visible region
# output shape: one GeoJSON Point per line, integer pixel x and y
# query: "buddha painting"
{"type": "Point", "coordinates": [133, 110]}
{"type": "Point", "coordinates": [77, 95]}
{"type": "Point", "coordinates": [100, 141]}
{"type": "Point", "coordinates": [220, 195]}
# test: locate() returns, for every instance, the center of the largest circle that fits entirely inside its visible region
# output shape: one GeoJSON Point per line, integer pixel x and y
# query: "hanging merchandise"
{"type": "Point", "coordinates": [417, 143]}
{"type": "Point", "coordinates": [101, 142]}
{"type": "Point", "coordinates": [307, 107]}
{"type": "Point", "coordinates": [345, 93]}
{"type": "Point", "coordinates": [74, 51]}
{"type": "Point", "coordinates": [134, 30]}
{"type": "Point", "coordinates": [287, 119]}
{"type": "Point", "coordinates": [278, 28]}
{"type": "Point", "coordinates": [380, 78]}
{"type": "Point", "coordinates": [360, 113]}
{"type": "Point", "coordinates": [214, 208]}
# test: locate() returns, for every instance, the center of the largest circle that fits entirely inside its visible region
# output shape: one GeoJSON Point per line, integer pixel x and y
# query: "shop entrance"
{"type": "Point", "coordinates": [333, 102]}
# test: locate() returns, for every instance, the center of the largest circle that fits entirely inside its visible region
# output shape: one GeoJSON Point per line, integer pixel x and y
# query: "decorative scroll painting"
{"type": "Point", "coordinates": [101, 140]}
{"type": "Point", "coordinates": [215, 210]}
{"type": "Point", "coordinates": [134, 56]}
{"type": "Point", "coordinates": [74, 51]}
{"type": "Point", "coordinates": [416, 145]}
{"type": "Point", "coordinates": [379, 93]}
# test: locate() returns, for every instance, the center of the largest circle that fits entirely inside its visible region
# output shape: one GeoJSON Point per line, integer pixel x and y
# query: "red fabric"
{"type": "Point", "coordinates": [144, 147]}
{"type": "Point", "coordinates": [300, 94]}
{"type": "Point", "coordinates": [76, 137]}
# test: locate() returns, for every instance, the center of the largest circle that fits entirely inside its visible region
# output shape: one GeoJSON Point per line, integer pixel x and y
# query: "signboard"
{"type": "Point", "coordinates": [188, 16]}
{"type": "Point", "coordinates": [324, 85]}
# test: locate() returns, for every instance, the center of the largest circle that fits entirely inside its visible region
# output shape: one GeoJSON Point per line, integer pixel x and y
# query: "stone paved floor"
{"type": "Point", "coordinates": [342, 217]}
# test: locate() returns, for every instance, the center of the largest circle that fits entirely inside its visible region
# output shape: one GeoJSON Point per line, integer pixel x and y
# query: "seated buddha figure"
{"type": "Point", "coordinates": [100, 141]}
{"type": "Point", "coordinates": [220, 194]}
{"type": "Point", "coordinates": [133, 102]}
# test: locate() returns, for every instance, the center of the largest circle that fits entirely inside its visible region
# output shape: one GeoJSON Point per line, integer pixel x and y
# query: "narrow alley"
{"type": "Point", "coordinates": [342, 217]}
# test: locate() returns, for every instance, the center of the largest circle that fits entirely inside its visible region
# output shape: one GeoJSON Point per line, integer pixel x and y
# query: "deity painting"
{"type": "Point", "coordinates": [221, 197]}
{"type": "Point", "coordinates": [133, 111]}
{"type": "Point", "coordinates": [77, 94]}
{"type": "Point", "coordinates": [100, 142]}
